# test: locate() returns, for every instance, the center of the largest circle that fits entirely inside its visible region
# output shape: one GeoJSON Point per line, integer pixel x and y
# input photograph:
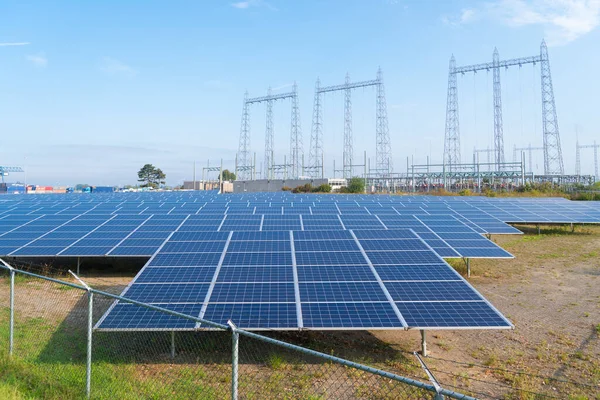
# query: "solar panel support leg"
{"type": "Point", "coordinates": [572, 227]}
{"type": "Point", "coordinates": [78, 263]}
{"type": "Point", "coordinates": [468, 261]}
{"type": "Point", "coordinates": [423, 343]}
{"type": "Point", "coordinates": [235, 337]}
{"type": "Point", "coordinates": [538, 227]}
{"type": "Point", "coordinates": [172, 344]}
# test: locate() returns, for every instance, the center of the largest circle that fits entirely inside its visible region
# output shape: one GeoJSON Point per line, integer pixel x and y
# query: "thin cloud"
{"type": "Point", "coordinates": [244, 5]}
{"type": "Point", "coordinates": [115, 67]}
{"type": "Point", "coordinates": [563, 20]}
{"type": "Point", "coordinates": [284, 86]}
{"type": "Point", "coordinates": [39, 60]}
{"type": "Point", "coordinates": [466, 15]}
{"type": "Point", "coordinates": [6, 44]}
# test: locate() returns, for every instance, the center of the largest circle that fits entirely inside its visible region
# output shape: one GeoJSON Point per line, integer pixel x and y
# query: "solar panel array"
{"type": "Point", "coordinates": [364, 279]}
{"type": "Point", "coordinates": [281, 261]}
{"type": "Point", "coordinates": [125, 235]}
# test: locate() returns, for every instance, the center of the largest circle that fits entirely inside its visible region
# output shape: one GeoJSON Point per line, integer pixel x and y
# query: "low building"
{"type": "Point", "coordinates": [277, 185]}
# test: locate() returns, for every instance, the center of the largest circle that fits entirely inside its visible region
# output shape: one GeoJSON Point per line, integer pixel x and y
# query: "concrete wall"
{"type": "Point", "coordinates": [275, 185]}
{"type": "Point", "coordinates": [227, 186]}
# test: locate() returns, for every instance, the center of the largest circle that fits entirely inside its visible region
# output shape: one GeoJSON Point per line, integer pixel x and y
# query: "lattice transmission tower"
{"type": "Point", "coordinates": [383, 145]}
{"type": "Point", "coordinates": [452, 136]}
{"type": "Point", "coordinates": [245, 165]}
{"type": "Point", "coordinates": [553, 160]}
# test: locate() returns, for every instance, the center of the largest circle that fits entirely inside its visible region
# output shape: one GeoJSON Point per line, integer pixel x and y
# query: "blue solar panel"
{"type": "Point", "coordinates": [326, 245]}
{"type": "Point", "coordinates": [341, 292]}
{"type": "Point", "coordinates": [262, 246]}
{"type": "Point", "coordinates": [253, 293]}
{"type": "Point", "coordinates": [256, 274]}
{"type": "Point", "coordinates": [402, 257]}
{"type": "Point", "coordinates": [129, 316]}
{"type": "Point", "coordinates": [349, 315]}
{"type": "Point", "coordinates": [258, 259]}
{"type": "Point", "coordinates": [330, 258]}
{"type": "Point", "coordinates": [168, 293]}
{"type": "Point", "coordinates": [186, 259]}
{"type": "Point", "coordinates": [416, 272]}
{"type": "Point", "coordinates": [450, 314]}
{"type": "Point", "coordinates": [253, 316]}
{"type": "Point", "coordinates": [335, 273]}
{"type": "Point", "coordinates": [177, 275]}
{"type": "Point", "coordinates": [393, 244]}
{"type": "Point", "coordinates": [141, 251]}
{"type": "Point", "coordinates": [475, 252]}
{"type": "Point", "coordinates": [193, 247]}
{"type": "Point", "coordinates": [432, 291]}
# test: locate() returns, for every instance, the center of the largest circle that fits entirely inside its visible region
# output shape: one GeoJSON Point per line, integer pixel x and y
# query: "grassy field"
{"type": "Point", "coordinates": [50, 353]}
{"type": "Point", "coordinates": [549, 291]}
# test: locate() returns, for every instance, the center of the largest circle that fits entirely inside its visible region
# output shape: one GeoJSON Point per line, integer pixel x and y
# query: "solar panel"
{"type": "Point", "coordinates": [332, 282]}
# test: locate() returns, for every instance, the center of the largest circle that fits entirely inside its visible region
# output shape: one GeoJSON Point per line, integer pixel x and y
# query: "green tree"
{"type": "Point", "coordinates": [228, 175]}
{"type": "Point", "coordinates": [150, 176]}
{"type": "Point", "coordinates": [355, 185]}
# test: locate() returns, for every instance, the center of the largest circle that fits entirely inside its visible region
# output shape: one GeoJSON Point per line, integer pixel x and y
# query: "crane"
{"type": "Point", "coordinates": [4, 171]}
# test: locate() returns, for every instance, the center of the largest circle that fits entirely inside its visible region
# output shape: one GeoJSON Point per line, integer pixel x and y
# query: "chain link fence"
{"type": "Point", "coordinates": [48, 349]}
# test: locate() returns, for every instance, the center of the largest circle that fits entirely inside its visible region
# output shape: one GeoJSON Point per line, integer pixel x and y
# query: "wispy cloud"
{"type": "Point", "coordinates": [284, 86]}
{"type": "Point", "coordinates": [6, 44]}
{"type": "Point", "coordinates": [116, 67]}
{"type": "Point", "coordinates": [39, 60]}
{"type": "Point", "coordinates": [466, 15]}
{"type": "Point", "coordinates": [243, 5]}
{"type": "Point", "coordinates": [562, 20]}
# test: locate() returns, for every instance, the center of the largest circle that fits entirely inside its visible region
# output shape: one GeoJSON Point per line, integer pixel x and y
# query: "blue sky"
{"type": "Point", "coordinates": [90, 91]}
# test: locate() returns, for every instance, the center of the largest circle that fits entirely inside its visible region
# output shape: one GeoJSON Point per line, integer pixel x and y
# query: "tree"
{"type": "Point", "coordinates": [355, 185]}
{"type": "Point", "coordinates": [150, 176]}
{"type": "Point", "coordinates": [228, 175]}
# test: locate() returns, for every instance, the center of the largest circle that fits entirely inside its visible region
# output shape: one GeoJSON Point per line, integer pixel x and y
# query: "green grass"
{"type": "Point", "coordinates": [49, 363]}
{"type": "Point", "coordinates": [50, 353]}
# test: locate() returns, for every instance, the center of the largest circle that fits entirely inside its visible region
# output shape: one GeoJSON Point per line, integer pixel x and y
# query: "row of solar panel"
{"type": "Point", "coordinates": [116, 236]}
{"type": "Point", "coordinates": [304, 285]}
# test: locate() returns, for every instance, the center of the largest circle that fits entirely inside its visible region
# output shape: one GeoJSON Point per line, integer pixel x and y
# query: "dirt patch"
{"type": "Point", "coordinates": [550, 293]}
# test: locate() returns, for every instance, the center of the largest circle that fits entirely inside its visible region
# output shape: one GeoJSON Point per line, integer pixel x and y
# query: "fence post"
{"type": "Point", "coordinates": [88, 369]}
{"type": "Point", "coordinates": [90, 328]}
{"type": "Point", "coordinates": [235, 337]}
{"type": "Point", "coordinates": [11, 326]}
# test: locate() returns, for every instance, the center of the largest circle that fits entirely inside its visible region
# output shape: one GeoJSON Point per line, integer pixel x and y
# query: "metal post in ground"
{"type": "Point", "coordinates": [78, 264]}
{"type": "Point", "coordinates": [172, 344]}
{"type": "Point", "coordinates": [468, 261]}
{"type": "Point", "coordinates": [423, 343]}
{"type": "Point", "coordinates": [11, 324]}
{"type": "Point", "coordinates": [88, 369]}
{"type": "Point", "coordinates": [11, 328]}
{"type": "Point", "coordinates": [90, 327]}
{"type": "Point", "coordinates": [234, 359]}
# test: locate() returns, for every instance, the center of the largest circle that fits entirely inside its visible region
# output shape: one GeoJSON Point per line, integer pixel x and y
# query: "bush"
{"type": "Point", "coordinates": [355, 185]}
{"type": "Point", "coordinates": [286, 188]}
{"type": "Point", "coordinates": [324, 188]}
